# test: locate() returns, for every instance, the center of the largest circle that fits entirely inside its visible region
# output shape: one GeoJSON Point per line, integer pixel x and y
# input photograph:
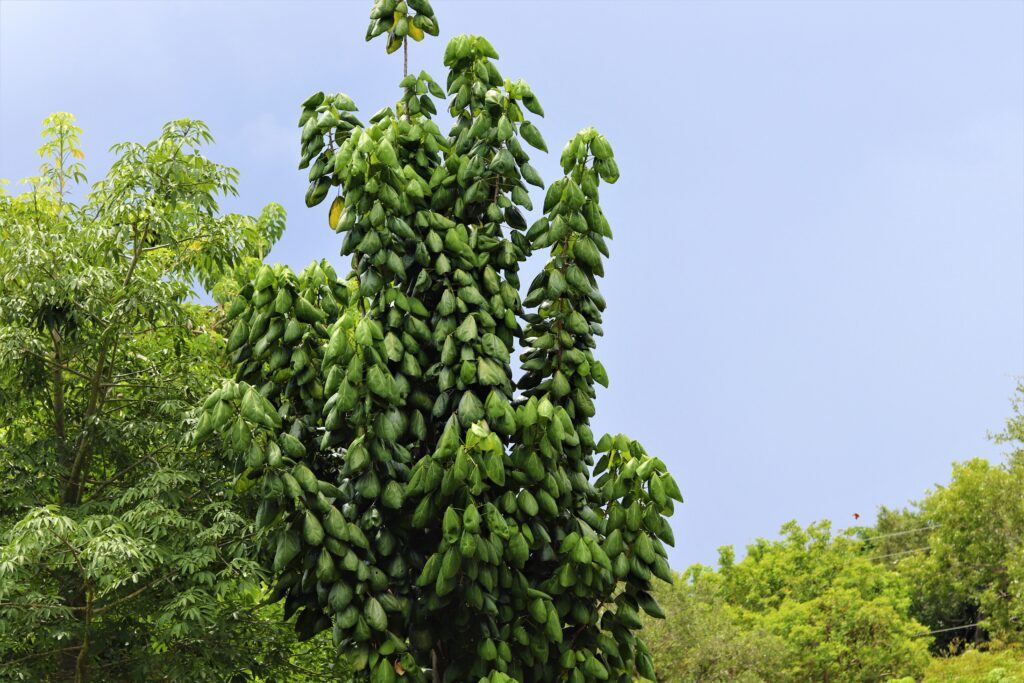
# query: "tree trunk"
{"type": "Point", "coordinates": [436, 667]}
{"type": "Point", "coordinates": [72, 663]}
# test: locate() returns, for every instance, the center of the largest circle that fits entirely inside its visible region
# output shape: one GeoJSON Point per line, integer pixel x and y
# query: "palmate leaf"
{"type": "Point", "coordinates": [102, 358]}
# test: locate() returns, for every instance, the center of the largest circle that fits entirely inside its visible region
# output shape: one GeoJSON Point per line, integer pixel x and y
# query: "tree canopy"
{"type": "Point", "coordinates": [121, 549]}
{"type": "Point", "coordinates": [943, 574]}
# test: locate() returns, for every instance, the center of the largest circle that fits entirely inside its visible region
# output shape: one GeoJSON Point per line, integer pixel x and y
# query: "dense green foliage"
{"type": "Point", "coordinates": [974, 666]}
{"type": "Point", "coordinates": [432, 509]}
{"type": "Point", "coordinates": [868, 603]}
{"type": "Point", "coordinates": [122, 556]}
{"type": "Point", "coordinates": [843, 616]}
{"type": "Point", "coordinates": [702, 639]}
{"type": "Point", "coordinates": [962, 548]}
{"type": "Point", "coordinates": [809, 606]}
{"type": "Point", "coordinates": [971, 568]}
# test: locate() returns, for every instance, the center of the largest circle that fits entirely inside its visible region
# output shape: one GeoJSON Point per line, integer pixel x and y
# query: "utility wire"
{"type": "Point", "coordinates": [943, 630]}
{"type": "Point", "coordinates": [902, 552]}
{"type": "Point", "coordinates": [897, 533]}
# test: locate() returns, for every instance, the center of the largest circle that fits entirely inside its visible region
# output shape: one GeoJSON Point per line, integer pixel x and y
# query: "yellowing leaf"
{"type": "Point", "coordinates": [335, 213]}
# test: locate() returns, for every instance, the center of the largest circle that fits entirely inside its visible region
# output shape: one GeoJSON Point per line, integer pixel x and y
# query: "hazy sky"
{"type": "Point", "coordinates": [816, 291]}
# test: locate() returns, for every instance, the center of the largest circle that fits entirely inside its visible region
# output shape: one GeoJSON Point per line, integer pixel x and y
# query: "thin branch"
{"type": "Point", "coordinates": [55, 365]}
{"type": "Point", "coordinates": [40, 605]}
{"type": "Point", "coordinates": [126, 598]}
{"type": "Point", "coordinates": [192, 238]}
{"type": "Point", "coordinates": [107, 482]}
{"type": "Point", "coordinates": [41, 654]}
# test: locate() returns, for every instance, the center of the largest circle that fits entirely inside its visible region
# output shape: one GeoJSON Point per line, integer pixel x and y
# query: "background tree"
{"type": "Point", "coordinates": [811, 604]}
{"type": "Point", "coordinates": [969, 580]}
{"type": "Point", "coordinates": [701, 639]}
{"type": "Point", "coordinates": [897, 533]}
{"type": "Point", "coordinates": [121, 555]}
{"type": "Point", "coordinates": [842, 616]}
{"type": "Point", "coordinates": [975, 553]}
{"type": "Point", "coordinates": [430, 507]}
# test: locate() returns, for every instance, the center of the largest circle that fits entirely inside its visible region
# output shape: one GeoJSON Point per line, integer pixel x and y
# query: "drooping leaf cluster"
{"type": "Point", "coordinates": [394, 18]}
{"type": "Point", "coordinates": [429, 506]}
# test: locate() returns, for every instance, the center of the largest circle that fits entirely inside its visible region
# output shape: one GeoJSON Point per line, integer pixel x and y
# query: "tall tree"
{"type": "Point", "coordinates": [431, 508]}
{"type": "Point", "coordinates": [120, 550]}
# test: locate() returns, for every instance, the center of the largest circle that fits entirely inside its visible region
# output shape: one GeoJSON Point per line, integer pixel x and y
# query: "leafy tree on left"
{"type": "Point", "coordinates": [122, 554]}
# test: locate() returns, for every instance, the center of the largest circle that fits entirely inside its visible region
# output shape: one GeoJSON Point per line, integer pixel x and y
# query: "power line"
{"type": "Point", "coordinates": [902, 552]}
{"type": "Point", "coordinates": [897, 533]}
{"type": "Point", "coordinates": [943, 630]}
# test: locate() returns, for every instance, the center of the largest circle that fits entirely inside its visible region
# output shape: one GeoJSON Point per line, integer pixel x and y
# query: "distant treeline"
{"type": "Point", "coordinates": [940, 577]}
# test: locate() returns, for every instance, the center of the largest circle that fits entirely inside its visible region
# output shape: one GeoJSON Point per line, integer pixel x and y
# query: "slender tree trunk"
{"type": "Point", "coordinates": [82, 661]}
{"type": "Point", "coordinates": [98, 388]}
{"type": "Point", "coordinates": [59, 420]}
{"type": "Point", "coordinates": [72, 661]}
{"type": "Point", "coordinates": [73, 489]}
{"type": "Point", "coordinates": [435, 665]}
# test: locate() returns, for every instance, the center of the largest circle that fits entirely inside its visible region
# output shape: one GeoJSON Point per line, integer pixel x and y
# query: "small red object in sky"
{"type": "Point", "coordinates": [856, 515]}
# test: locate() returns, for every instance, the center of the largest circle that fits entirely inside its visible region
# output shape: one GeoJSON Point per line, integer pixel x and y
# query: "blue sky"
{"type": "Point", "coordinates": [816, 291]}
